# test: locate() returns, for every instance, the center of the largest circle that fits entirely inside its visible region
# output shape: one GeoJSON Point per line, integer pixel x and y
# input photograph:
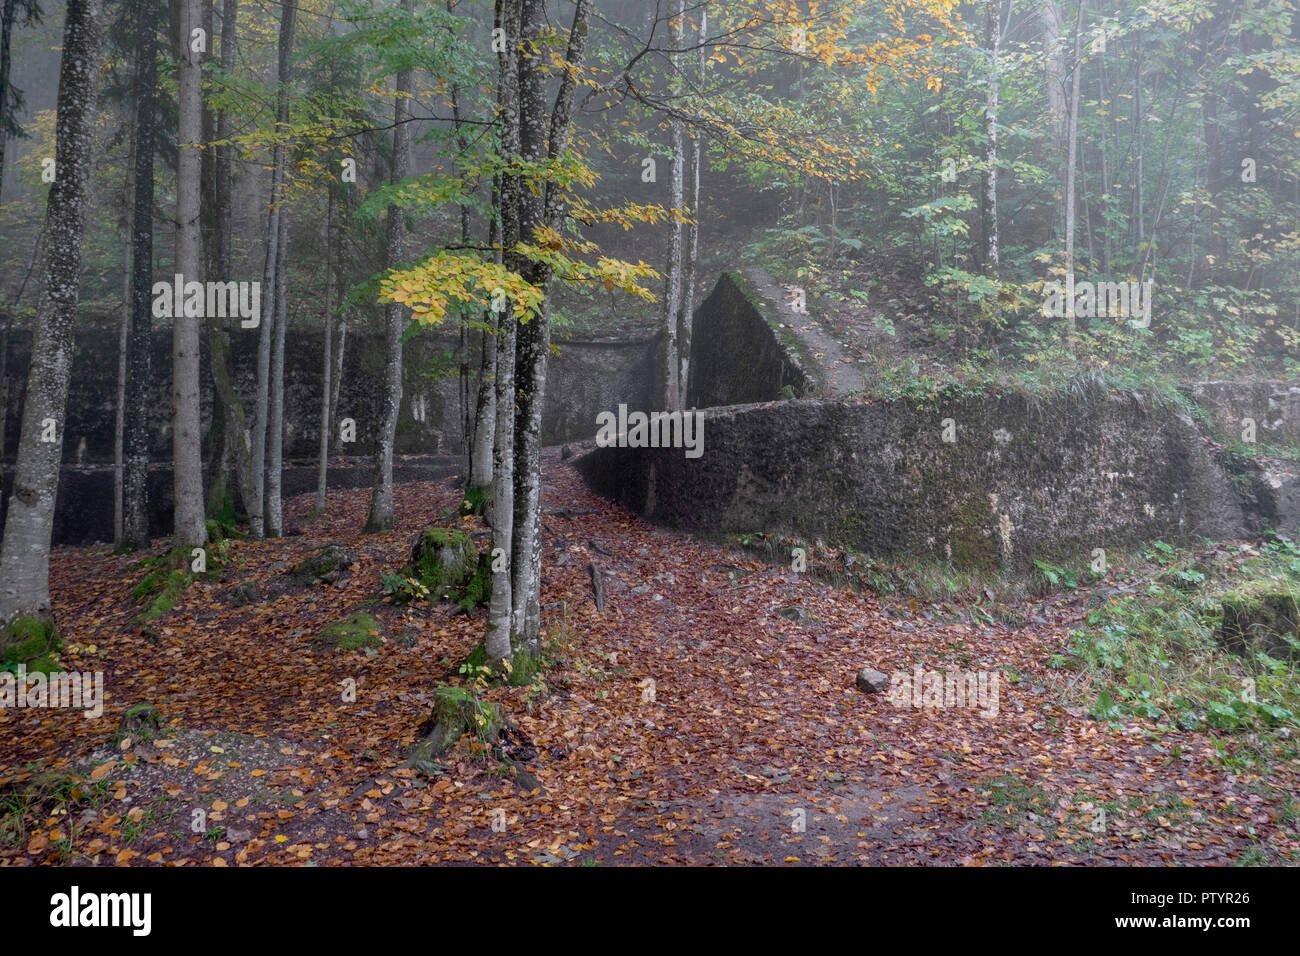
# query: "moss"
{"type": "Point", "coordinates": [524, 666]}
{"type": "Point", "coordinates": [32, 640]}
{"type": "Point", "coordinates": [477, 500]}
{"type": "Point", "coordinates": [358, 631]}
{"type": "Point", "coordinates": [479, 589]}
{"type": "Point", "coordinates": [972, 540]}
{"type": "Point", "coordinates": [444, 560]}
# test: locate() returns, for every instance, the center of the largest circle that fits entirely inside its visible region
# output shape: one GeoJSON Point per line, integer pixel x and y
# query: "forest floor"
{"type": "Point", "coordinates": [708, 716]}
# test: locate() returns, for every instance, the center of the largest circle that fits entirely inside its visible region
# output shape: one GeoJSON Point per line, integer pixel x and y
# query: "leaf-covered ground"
{"type": "Point", "coordinates": [698, 719]}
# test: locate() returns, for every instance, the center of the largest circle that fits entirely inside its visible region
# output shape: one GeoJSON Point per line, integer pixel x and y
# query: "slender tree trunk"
{"type": "Point", "coordinates": [279, 160]}
{"type": "Point", "coordinates": [327, 364]}
{"type": "Point", "coordinates": [992, 251]}
{"type": "Point", "coordinates": [480, 461]}
{"type": "Point", "coordinates": [7, 12]}
{"type": "Point", "coordinates": [25, 549]}
{"type": "Point", "coordinates": [236, 450]}
{"type": "Point", "coordinates": [123, 338]}
{"type": "Point", "coordinates": [498, 640]}
{"type": "Point", "coordinates": [1072, 153]}
{"type": "Point", "coordinates": [671, 397]}
{"type": "Point", "coordinates": [381, 499]}
{"type": "Point", "coordinates": [535, 335]}
{"type": "Point", "coordinates": [686, 325]}
{"type": "Point", "coordinates": [275, 435]}
{"type": "Point", "coordinates": [1055, 77]}
{"type": "Point", "coordinates": [187, 465]}
{"type": "Point", "coordinates": [135, 425]}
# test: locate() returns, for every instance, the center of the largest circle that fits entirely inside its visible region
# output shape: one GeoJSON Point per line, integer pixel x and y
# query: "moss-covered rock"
{"type": "Point", "coordinates": [325, 566]}
{"type": "Point", "coordinates": [32, 640]}
{"type": "Point", "coordinates": [443, 560]}
{"type": "Point", "coordinates": [356, 632]}
{"type": "Point", "coordinates": [139, 724]}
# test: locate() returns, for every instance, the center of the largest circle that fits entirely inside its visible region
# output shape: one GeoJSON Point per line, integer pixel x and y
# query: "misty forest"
{"type": "Point", "coordinates": [670, 432]}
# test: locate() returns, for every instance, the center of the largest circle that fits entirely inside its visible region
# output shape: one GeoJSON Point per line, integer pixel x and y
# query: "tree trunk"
{"type": "Point", "coordinates": [25, 549]}
{"type": "Point", "coordinates": [381, 499]}
{"type": "Point", "coordinates": [226, 398]}
{"type": "Point", "coordinates": [1055, 77]}
{"type": "Point", "coordinates": [992, 238]}
{"type": "Point", "coordinates": [275, 436]}
{"type": "Point", "coordinates": [686, 324]}
{"type": "Point", "coordinates": [671, 397]}
{"type": "Point", "coordinates": [1072, 154]}
{"type": "Point", "coordinates": [187, 465]}
{"type": "Point", "coordinates": [257, 506]}
{"type": "Point", "coordinates": [535, 335]}
{"type": "Point", "coordinates": [123, 339]}
{"type": "Point", "coordinates": [135, 425]}
{"type": "Point", "coordinates": [327, 364]}
{"type": "Point", "coordinates": [498, 640]}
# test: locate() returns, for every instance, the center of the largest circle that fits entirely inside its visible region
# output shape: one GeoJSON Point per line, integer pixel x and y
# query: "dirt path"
{"type": "Point", "coordinates": [699, 719]}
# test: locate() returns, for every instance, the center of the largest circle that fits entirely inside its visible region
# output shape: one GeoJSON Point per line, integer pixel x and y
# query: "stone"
{"type": "Point", "coordinates": [326, 566]}
{"type": "Point", "coordinates": [872, 681]}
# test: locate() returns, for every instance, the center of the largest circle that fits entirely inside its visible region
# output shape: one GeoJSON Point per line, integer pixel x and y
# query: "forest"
{"type": "Point", "coordinates": [668, 432]}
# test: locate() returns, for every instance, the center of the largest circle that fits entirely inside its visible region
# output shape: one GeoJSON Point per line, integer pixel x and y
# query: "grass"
{"type": "Point", "coordinates": [1155, 654]}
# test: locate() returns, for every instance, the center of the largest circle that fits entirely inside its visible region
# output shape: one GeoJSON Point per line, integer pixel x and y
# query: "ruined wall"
{"type": "Point", "coordinates": [738, 354]}
{"type": "Point", "coordinates": [1025, 477]}
{"type": "Point", "coordinates": [585, 377]}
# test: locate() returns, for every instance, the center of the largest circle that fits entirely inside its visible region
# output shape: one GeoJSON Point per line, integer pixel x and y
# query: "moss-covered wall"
{"type": "Point", "coordinates": [738, 355]}
{"type": "Point", "coordinates": [1025, 478]}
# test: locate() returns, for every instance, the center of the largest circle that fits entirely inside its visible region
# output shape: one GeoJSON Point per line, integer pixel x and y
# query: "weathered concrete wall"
{"type": "Point", "coordinates": [585, 378]}
{"type": "Point", "coordinates": [1274, 407]}
{"type": "Point", "coordinates": [738, 352]}
{"type": "Point", "coordinates": [1025, 478]}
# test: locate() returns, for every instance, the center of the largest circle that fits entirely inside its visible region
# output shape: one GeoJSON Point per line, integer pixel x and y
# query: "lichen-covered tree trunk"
{"type": "Point", "coordinates": [187, 462]}
{"type": "Point", "coordinates": [381, 498]}
{"type": "Point", "coordinates": [135, 424]}
{"type": "Point", "coordinates": [25, 550]}
{"type": "Point", "coordinates": [498, 640]}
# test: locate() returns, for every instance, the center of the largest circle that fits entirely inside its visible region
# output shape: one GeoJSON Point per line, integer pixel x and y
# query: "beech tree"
{"type": "Point", "coordinates": [135, 418]}
{"type": "Point", "coordinates": [187, 461]}
{"type": "Point", "coordinates": [25, 550]}
{"type": "Point", "coordinates": [270, 276]}
{"type": "Point", "coordinates": [381, 499]}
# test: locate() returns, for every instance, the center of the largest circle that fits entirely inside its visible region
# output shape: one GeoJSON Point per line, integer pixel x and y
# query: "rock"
{"type": "Point", "coordinates": [566, 453]}
{"type": "Point", "coordinates": [246, 592]}
{"type": "Point", "coordinates": [872, 681]}
{"type": "Point", "coordinates": [326, 566]}
{"type": "Point", "coordinates": [140, 723]}
{"type": "Point", "coordinates": [794, 613]}
{"type": "Point", "coordinates": [239, 836]}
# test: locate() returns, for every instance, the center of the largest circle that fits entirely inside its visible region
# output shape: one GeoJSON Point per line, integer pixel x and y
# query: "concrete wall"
{"type": "Point", "coordinates": [585, 377]}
